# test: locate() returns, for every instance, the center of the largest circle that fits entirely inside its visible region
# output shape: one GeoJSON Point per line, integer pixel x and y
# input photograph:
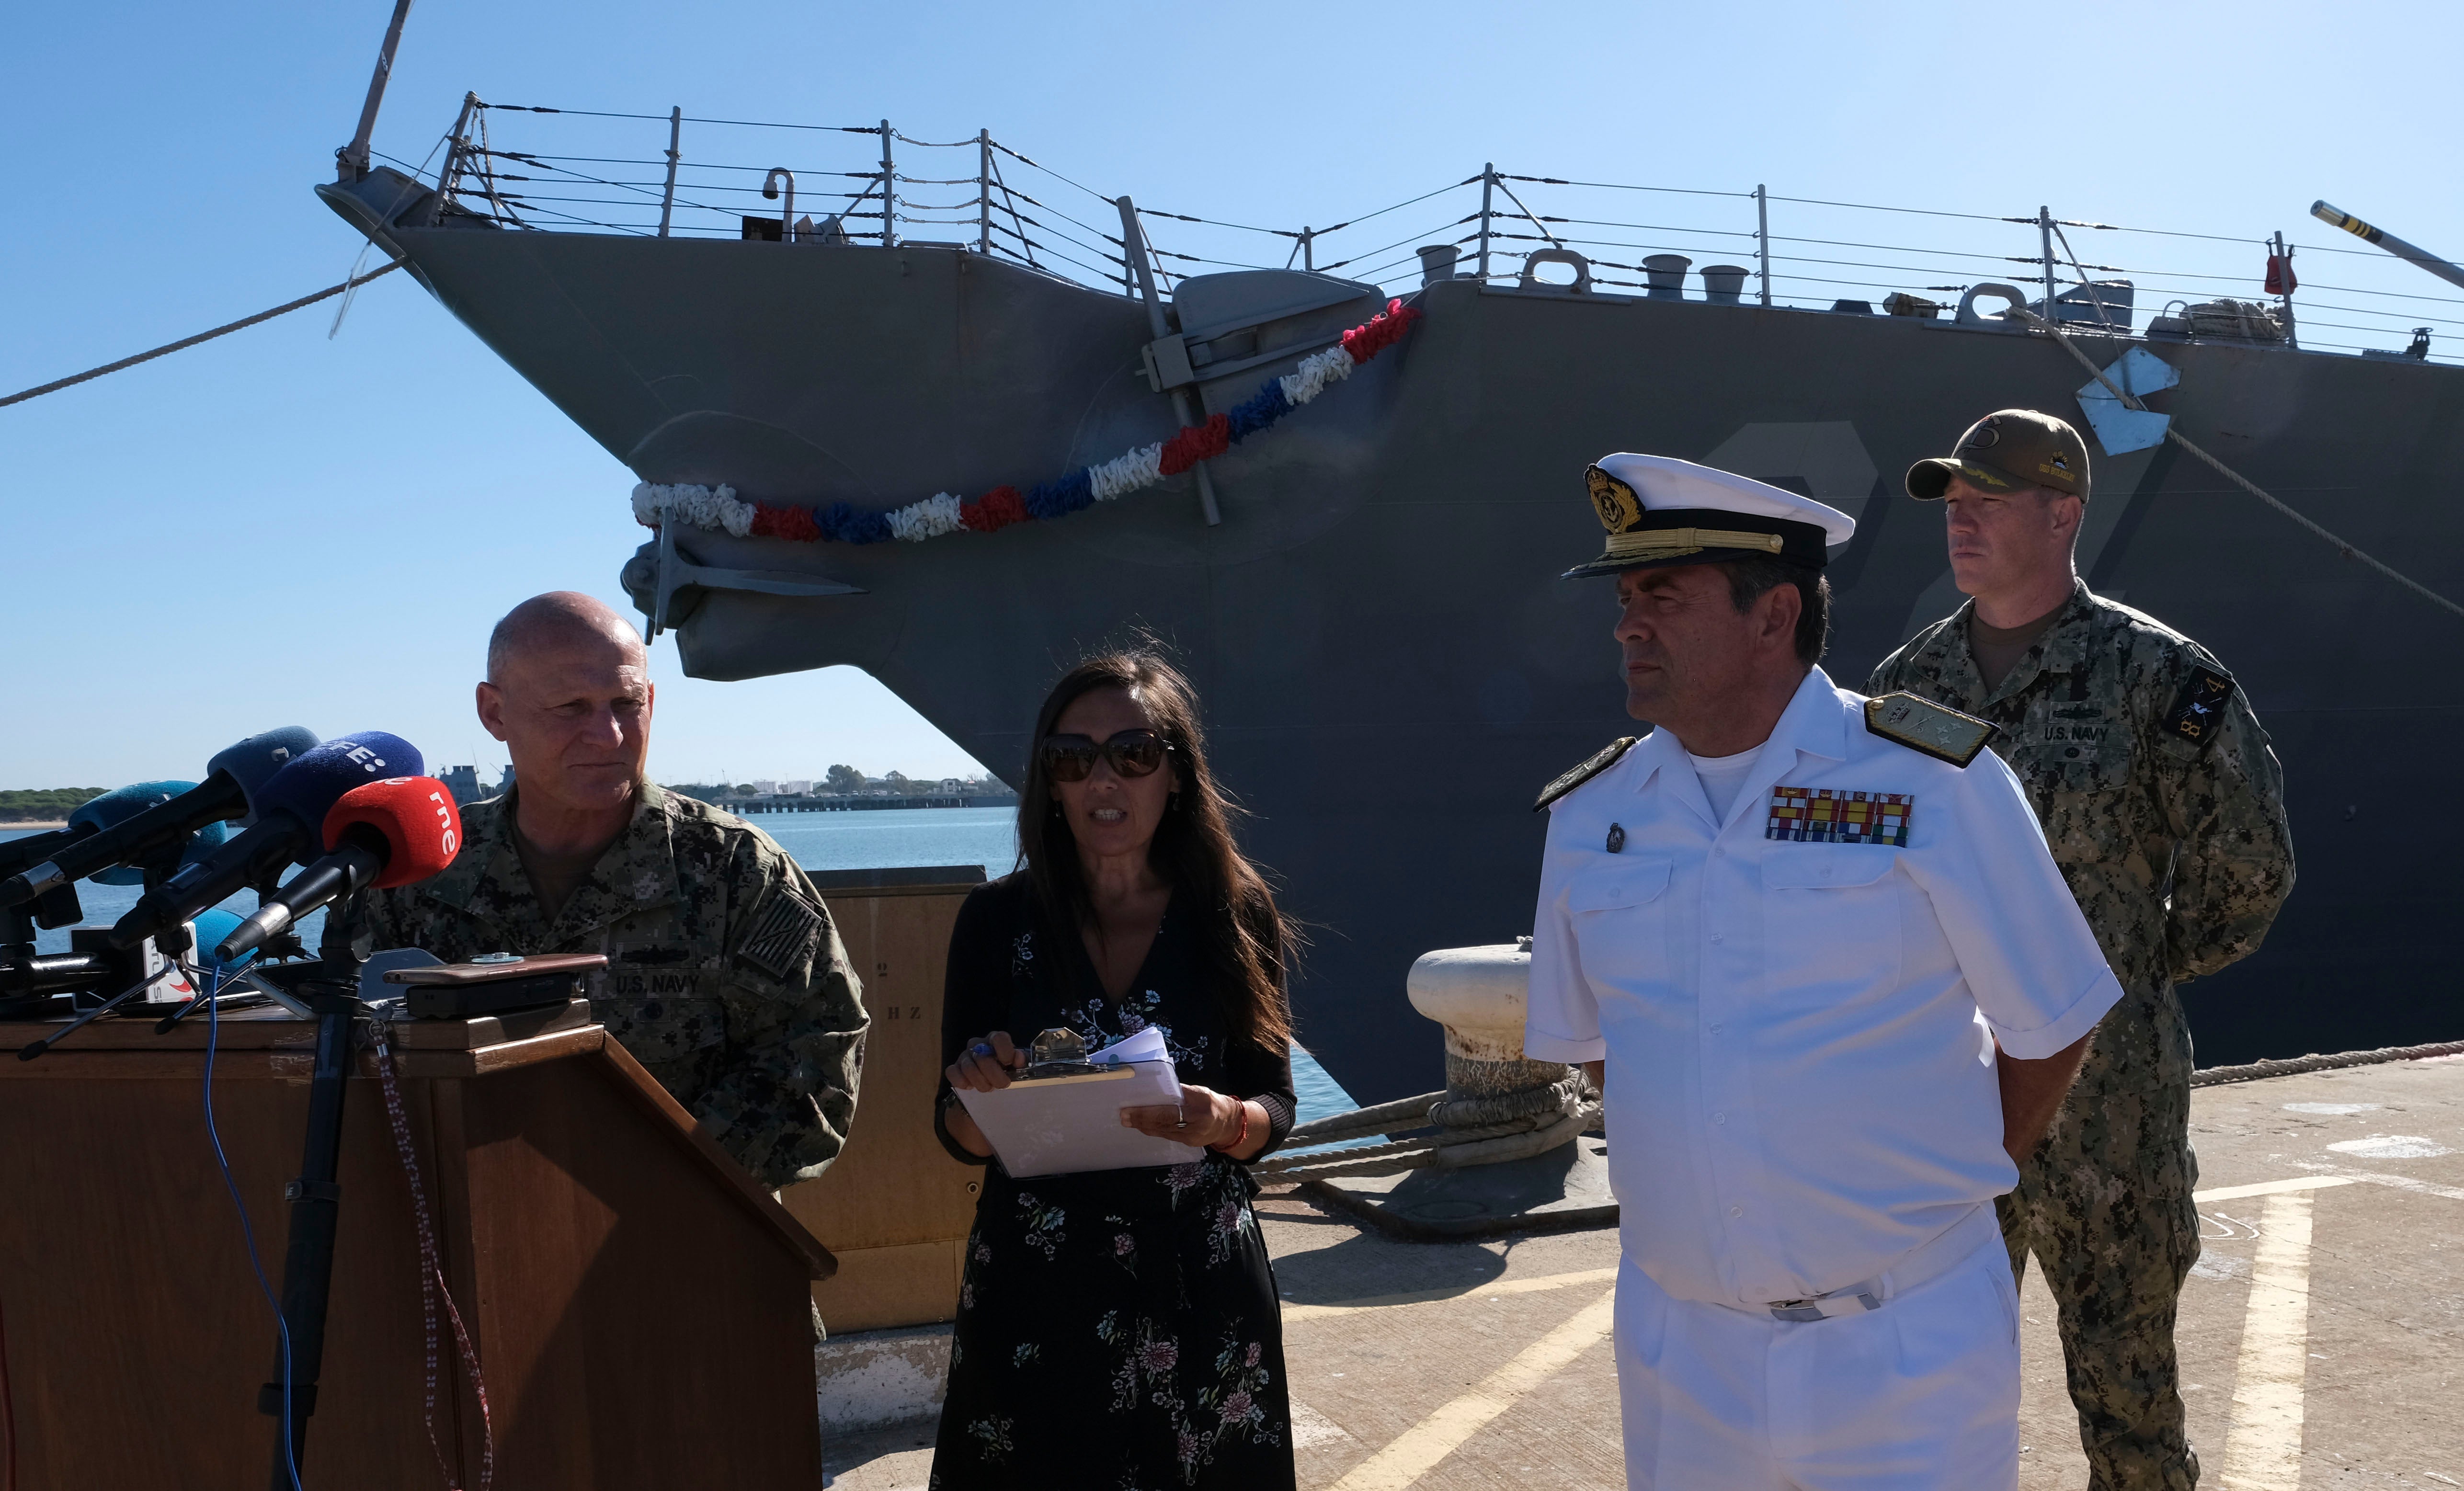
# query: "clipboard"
{"type": "Point", "coordinates": [1064, 1126]}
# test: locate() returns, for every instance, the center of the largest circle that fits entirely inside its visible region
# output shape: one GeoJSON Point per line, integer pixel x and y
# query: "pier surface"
{"type": "Point", "coordinates": [2318, 1338]}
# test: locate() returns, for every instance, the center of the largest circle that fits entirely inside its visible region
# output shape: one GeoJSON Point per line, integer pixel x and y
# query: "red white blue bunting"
{"type": "Point", "coordinates": [1133, 470]}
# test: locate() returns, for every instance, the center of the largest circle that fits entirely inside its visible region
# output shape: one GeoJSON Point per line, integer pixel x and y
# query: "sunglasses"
{"type": "Point", "coordinates": [1133, 753]}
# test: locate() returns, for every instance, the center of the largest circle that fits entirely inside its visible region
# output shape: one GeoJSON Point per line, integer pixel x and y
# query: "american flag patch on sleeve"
{"type": "Point", "coordinates": [782, 936]}
{"type": "Point", "coordinates": [1820, 815]}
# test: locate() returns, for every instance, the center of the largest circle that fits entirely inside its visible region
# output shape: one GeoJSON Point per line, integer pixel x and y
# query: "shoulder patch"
{"type": "Point", "coordinates": [1606, 759]}
{"type": "Point", "coordinates": [1932, 729]}
{"type": "Point", "coordinates": [782, 935]}
{"type": "Point", "coordinates": [2200, 705]}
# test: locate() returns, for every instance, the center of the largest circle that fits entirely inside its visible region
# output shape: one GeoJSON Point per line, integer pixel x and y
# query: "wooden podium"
{"type": "Point", "coordinates": [638, 1303]}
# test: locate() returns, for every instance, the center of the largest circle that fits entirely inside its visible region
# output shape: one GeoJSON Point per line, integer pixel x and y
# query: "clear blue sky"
{"type": "Point", "coordinates": [280, 528]}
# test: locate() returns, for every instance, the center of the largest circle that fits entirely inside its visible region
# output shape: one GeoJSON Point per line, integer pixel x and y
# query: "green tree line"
{"type": "Point", "coordinates": [40, 804]}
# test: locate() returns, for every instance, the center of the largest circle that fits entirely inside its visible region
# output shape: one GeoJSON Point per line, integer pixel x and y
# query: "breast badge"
{"type": "Point", "coordinates": [1617, 838]}
{"type": "Point", "coordinates": [1822, 815]}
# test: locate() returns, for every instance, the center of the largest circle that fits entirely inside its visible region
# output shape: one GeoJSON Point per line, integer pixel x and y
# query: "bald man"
{"type": "Point", "coordinates": [725, 977]}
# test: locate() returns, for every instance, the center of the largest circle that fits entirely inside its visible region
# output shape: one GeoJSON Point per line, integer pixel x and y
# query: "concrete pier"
{"type": "Point", "coordinates": [2318, 1339]}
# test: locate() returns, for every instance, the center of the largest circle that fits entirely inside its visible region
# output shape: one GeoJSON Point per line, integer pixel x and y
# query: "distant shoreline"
{"type": "Point", "coordinates": [36, 824]}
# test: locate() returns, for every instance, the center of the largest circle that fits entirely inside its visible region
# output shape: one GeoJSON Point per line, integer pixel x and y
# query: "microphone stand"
{"type": "Point", "coordinates": [332, 991]}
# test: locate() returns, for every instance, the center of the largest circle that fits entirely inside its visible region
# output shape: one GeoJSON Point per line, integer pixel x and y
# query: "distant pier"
{"type": "Point", "coordinates": [789, 804]}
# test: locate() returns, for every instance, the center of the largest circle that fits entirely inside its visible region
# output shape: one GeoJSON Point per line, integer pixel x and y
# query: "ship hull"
{"type": "Point", "coordinates": [1389, 665]}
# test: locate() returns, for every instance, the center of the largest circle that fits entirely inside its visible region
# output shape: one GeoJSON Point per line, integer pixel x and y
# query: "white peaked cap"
{"type": "Point", "coordinates": [1661, 511]}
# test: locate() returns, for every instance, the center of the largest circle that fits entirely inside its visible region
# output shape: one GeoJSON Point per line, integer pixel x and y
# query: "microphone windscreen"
{"type": "Point", "coordinates": [122, 804]}
{"type": "Point", "coordinates": [212, 926]}
{"type": "Point", "coordinates": [378, 754]}
{"type": "Point", "coordinates": [417, 818]}
{"type": "Point", "coordinates": [307, 789]}
{"type": "Point", "coordinates": [251, 761]}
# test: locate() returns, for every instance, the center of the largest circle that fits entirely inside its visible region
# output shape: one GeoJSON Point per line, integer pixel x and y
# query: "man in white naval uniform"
{"type": "Point", "coordinates": [1837, 982]}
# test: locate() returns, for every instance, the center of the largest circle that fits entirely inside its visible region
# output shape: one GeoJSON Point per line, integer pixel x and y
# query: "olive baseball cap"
{"type": "Point", "coordinates": [2004, 451]}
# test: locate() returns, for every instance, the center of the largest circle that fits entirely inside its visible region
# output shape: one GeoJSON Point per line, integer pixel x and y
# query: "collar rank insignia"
{"type": "Point", "coordinates": [1819, 815]}
{"type": "Point", "coordinates": [1606, 759]}
{"type": "Point", "coordinates": [1922, 725]}
{"type": "Point", "coordinates": [2201, 707]}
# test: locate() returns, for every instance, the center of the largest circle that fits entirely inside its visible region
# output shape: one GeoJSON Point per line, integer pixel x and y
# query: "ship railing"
{"type": "Point", "coordinates": [575, 170]}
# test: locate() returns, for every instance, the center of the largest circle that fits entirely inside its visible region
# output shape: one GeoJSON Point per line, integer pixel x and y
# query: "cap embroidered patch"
{"type": "Point", "coordinates": [1820, 815]}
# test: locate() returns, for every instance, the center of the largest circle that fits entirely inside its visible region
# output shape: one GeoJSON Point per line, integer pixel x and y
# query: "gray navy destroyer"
{"type": "Point", "coordinates": [1366, 594]}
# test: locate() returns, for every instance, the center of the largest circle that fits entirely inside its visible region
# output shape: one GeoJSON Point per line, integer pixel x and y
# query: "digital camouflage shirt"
{"type": "Point", "coordinates": [725, 977]}
{"type": "Point", "coordinates": [2159, 796]}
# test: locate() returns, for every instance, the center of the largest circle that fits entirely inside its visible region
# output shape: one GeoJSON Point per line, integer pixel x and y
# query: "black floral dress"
{"type": "Point", "coordinates": [1118, 1329]}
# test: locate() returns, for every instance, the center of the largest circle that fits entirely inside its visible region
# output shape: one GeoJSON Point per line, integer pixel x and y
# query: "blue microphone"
{"type": "Point", "coordinates": [120, 805]}
{"type": "Point", "coordinates": [289, 812]}
{"type": "Point", "coordinates": [233, 779]}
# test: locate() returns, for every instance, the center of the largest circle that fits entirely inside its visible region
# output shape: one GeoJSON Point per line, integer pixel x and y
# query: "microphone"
{"type": "Point", "coordinates": [122, 835]}
{"type": "Point", "coordinates": [387, 833]}
{"type": "Point", "coordinates": [124, 805]}
{"type": "Point", "coordinates": [287, 810]}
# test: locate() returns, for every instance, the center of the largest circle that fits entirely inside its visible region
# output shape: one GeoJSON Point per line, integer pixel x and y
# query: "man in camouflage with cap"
{"type": "Point", "coordinates": [725, 977]}
{"type": "Point", "coordinates": [2164, 806]}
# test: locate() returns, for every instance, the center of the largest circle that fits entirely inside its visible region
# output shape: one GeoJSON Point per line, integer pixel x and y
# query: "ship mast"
{"type": "Point", "coordinates": [351, 160]}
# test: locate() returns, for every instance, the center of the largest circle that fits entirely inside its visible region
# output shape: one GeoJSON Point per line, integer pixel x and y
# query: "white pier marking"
{"type": "Point", "coordinates": [2263, 1448]}
{"type": "Point", "coordinates": [1443, 1431]}
{"type": "Point", "coordinates": [2398, 1182]}
{"type": "Point", "coordinates": [2271, 1188]}
{"type": "Point", "coordinates": [1377, 1302]}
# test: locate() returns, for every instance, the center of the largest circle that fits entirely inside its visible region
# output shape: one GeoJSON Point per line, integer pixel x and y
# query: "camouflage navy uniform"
{"type": "Point", "coordinates": [2164, 808]}
{"type": "Point", "coordinates": [725, 977]}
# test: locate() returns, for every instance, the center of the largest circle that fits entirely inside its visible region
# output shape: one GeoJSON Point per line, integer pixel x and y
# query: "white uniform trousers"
{"type": "Point", "coordinates": [1922, 1394]}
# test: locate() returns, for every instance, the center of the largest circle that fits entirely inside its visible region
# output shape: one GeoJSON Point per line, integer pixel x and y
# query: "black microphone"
{"type": "Point", "coordinates": [395, 832]}
{"type": "Point", "coordinates": [290, 809]}
{"type": "Point", "coordinates": [233, 779]}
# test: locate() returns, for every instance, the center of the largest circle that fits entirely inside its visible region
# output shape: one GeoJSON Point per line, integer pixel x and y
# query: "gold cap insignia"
{"type": "Point", "coordinates": [1618, 508]}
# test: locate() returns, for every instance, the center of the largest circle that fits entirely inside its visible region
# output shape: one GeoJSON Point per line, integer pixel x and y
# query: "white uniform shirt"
{"type": "Point", "coordinates": [1801, 1079]}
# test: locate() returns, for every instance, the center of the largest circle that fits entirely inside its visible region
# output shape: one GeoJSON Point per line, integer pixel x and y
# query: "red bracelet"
{"type": "Point", "coordinates": [1239, 1139]}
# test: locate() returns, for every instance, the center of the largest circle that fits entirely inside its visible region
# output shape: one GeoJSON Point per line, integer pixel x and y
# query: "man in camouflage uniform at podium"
{"type": "Point", "coordinates": [2164, 807]}
{"type": "Point", "coordinates": [725, 979]}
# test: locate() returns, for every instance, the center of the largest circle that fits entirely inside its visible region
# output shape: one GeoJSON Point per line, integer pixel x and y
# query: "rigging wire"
{"type": "Point", "coordinates": [185, 343]}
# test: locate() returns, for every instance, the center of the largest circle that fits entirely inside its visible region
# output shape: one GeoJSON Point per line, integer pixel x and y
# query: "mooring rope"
{"type": "Point", "coordinates": [2175, 435]}
{"type": "Point", "coordinates": [2314, 1062]}
{"type": "Point", "coordinates": [185, 343]}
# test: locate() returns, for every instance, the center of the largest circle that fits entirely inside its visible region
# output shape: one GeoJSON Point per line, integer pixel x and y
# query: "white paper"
{"type": "Point", "coordinates": [1063, 1126]}
{"type": "Point", "coordinates": [1147, 1045]}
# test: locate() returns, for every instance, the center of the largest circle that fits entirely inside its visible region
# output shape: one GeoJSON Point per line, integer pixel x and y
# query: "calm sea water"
{"type": "Point", "coordinates": [980, 836]}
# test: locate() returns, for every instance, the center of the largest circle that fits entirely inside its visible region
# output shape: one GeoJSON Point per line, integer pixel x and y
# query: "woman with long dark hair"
{"type": "Point", "coordinates": [1120, 1327]}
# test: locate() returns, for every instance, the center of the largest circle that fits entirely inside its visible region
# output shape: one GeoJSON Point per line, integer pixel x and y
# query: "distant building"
{"type": "Point", "coordinates": [796, 788]}
{"type": "Point", "coordinates": [763, 787]}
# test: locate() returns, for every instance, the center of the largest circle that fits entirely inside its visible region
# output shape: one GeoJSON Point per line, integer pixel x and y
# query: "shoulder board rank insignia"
{"type": "Point", "coordinates": [2201, 707]}
{"type": "Point", "coordinates": [1922, 725]}
{"type": "Point", "coordinates": [1606, 759]}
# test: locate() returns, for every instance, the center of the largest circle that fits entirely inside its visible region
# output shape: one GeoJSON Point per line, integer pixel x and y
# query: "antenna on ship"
{"type": "Point", "coordinates": [351, 160]}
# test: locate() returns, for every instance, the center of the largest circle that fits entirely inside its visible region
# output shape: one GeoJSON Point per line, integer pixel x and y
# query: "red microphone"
{"type": "Point", "coordinates": [394, 832]}
{"type": "Point", "coordinates": [413, 817]}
